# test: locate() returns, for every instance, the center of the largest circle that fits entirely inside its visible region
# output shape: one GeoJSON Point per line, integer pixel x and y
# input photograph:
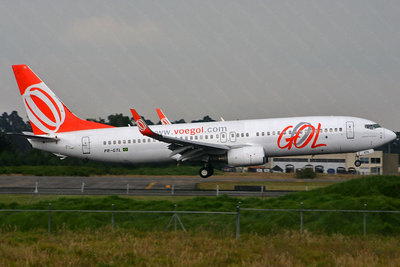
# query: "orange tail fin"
{"type": "Point", "coordinates": [47, 114]}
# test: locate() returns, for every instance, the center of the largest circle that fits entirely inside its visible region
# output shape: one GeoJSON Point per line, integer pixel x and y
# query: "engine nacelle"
{"type": "Point", "coordinates": [246, 156]}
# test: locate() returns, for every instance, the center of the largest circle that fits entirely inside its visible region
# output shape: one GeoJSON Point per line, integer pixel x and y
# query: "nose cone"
{"type": "Point", "coordinates": [389, 135]}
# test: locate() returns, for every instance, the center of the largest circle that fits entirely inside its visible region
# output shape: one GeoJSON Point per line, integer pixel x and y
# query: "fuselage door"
{"type": "Point", "coordinates": [224, 137]}
{"type": "Point", "coordinates": [232, 137]}
{"type": "Point", "coordinates": [85, 145]}
{"type": "Point", "coordinates": [350, 130]}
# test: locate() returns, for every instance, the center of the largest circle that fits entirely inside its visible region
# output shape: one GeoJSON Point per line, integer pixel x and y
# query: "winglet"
{"type": "Point", "coordinates": [142, 125]}
{"type": "Point", "coordinates": [164, 120]}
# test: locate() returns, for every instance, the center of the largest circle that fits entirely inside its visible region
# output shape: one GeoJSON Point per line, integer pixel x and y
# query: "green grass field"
{"type": "Point", "coordinates": [379, 193]}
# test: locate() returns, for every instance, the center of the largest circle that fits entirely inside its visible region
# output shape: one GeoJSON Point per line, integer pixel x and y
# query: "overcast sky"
{"type": "Point", "coordinates": [230, 59]}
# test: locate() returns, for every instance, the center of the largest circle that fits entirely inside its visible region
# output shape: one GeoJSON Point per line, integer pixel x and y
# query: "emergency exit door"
{"type": "Point", "coordinates": [350, 130]}
{"type": "Point", "coordinates": [85, 145]}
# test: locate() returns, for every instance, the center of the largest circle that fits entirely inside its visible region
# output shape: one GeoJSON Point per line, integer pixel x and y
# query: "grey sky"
{"type": "Point", "coordinates": [235, 59]}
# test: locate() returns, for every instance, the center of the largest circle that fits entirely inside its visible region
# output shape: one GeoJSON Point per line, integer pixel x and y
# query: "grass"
{"type": "Point", "coordinates": [379, 193]}
{"type": "Point", "coordinates": [276, 185]}
{"type": "Point", "coordinates": [102, 247]}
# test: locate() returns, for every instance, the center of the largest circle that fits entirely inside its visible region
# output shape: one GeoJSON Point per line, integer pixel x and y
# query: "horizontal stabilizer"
{"type": "Point", "coordinates": [35, 137]}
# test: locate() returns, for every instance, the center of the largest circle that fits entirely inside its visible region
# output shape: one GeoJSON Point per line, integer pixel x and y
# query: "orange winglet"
{"type": "Point", "coordinates": [164, 120]}
{"type": "Point", "coordinates": [142, 125]}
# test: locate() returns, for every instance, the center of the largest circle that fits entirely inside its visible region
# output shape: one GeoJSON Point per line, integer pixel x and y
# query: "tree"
{"type": "Point", "coordinates": [205, 119]}
{"type": "Point", "coordinates": [119, 120]}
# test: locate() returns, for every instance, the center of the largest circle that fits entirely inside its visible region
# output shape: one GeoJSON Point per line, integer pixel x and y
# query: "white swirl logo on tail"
{"type": "Point", "coordinates": [165, 121]}
{"type": "Point", "coordinates": [142, 126]}
{"type": "Point", "coordinates": [50, 114]}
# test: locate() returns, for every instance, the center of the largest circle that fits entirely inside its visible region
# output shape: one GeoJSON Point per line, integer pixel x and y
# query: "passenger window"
{"type": "Point", "coordinates": [129, 141]}
{"type": "Point", "coordinates": [114, 142]}
{"type": "Point", "coordinates": [278, 133]}
{"type": "Point", "coordinates": [196, 137]}
{"type": "Point", "coordinates": [290, 132]}
{"type": "Point", "coordinates": [268, 133]}
{"type": "Point", "coordinates": [326, 130]}
{"type": "Point", "coordinates": [206, 137]}
{"type": "Point", "coordinates": [211, 136]}
{"type": "Point", "coordinates": [335, 129]}
{"type": "Point", "coordinates": [134, 141]}
{"type": "Point", "coordinates": [109, 142]}
{"type": "Point", "coordinates": [340, 129]}
{"type": "Point", "coordinates": [124, 142]}
{"type": "Point", "coordinates": [186, 138]}
{"type": "Point", "coordinates": [149, 140]}
{"type": "Point", "coordinates": [144, 140]}
{"type": "Point", "coordinates": [257, 134]}
{"type": "Point", "coordinates": [201, 137]}
{"type": "Point", "coordinates": [237, 135]}
{"type": "Point", "coordinates": [104, 142]}
{"type": "Point", "coordinates": [242, 134]}
{"type": "Point", "coordinates": [138, 140]}
{"type": "Point", "coordinates": [262, 133]}
{"type": "Point", "coordinates": [119, 142]}
{"type": "Point", "coordinates": [191, 137]}
{"type": "Point", "coordinates": [330, 130]}
{"type": "Point", "coordinates": [273, 132]}
{"type": "Point", "coordinates": [247, 134]}
{"type": "Point", "coordinates": [217, 136]}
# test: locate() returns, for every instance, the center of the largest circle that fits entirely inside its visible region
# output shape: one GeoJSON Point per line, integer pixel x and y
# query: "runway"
{"type": "Point", "coordinates": [136, 186]}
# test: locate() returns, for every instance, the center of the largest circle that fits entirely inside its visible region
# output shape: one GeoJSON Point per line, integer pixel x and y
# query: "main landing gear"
{"type": "Point", "coordinates": [206, 171]}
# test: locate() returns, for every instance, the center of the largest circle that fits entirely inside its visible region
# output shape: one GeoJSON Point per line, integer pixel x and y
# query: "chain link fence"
{"type": "Point", "coordinates": [176, 222]}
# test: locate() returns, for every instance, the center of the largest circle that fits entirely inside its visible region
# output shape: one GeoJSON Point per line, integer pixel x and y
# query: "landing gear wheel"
{"type": "Point", "coordinates": [357, 163]}
{"type": "Point", "coordinates": [206, 172]}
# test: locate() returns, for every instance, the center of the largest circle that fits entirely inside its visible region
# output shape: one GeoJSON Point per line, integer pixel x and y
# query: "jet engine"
{"type": "Point", "coordinates": [246, 156]}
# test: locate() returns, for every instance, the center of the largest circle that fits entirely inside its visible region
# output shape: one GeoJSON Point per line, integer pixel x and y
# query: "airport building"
{"type": "Point", "coordinates": [374, 163]}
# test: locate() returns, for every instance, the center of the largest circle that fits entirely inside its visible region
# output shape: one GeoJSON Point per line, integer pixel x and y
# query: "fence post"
{"type": "Point", "coordinates": [112, 217]}
{"type": "Point", "coordinates": [238, 221]}
{"type": "Point", "coordinates": [365, 220]}
{"type": "Point", "coordinates": [262, 191]}
{"type": "Point", "coordinates": [172, 189]}
{"type": "Point", "coordinates": [127, 189]}
{"type": "Point", "coordinates": [217, 190]}
{"type": "Point", "coordinates": [175, 214]}
{"type": "Point", "coordinates": [301, 217]}
{"type": "Point", "coordinates": [49, 220]}
{"type": "Point", "coordinates": [36, 188]}
{"type": "Point", "coordinates": [83, 187]}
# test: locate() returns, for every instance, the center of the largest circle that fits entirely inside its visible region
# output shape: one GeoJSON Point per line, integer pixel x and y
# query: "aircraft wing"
{"type": "Point", "coordinates": [188, 149]}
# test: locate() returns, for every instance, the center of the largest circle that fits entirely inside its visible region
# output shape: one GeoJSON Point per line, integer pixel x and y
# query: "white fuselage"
{"type": "Point", "coordinates": [320, 135]}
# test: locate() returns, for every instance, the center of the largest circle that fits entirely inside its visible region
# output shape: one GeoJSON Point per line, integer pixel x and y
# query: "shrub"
{"type": "Point", "coordinates": [306, 174]}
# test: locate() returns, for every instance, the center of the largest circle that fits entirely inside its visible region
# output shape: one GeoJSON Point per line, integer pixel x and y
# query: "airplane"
{"type": "Point", "coordinates": [237, 143]}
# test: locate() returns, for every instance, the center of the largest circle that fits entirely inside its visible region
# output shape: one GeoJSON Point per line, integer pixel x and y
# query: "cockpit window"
{"type": "Point", "coordinates": [372, 126]}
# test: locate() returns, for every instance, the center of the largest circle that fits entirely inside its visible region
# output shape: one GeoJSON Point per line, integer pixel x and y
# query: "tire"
{"type": "Point", "coordinates": [206, 172]}
{"type": "Point", "coordinates": [357, 163]}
